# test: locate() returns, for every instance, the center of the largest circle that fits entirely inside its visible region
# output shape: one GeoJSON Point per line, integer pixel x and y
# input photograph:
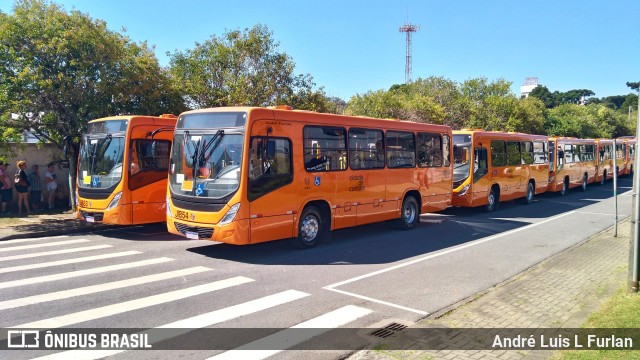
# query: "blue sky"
{"type": "Point", "coordinates": [353, 46]}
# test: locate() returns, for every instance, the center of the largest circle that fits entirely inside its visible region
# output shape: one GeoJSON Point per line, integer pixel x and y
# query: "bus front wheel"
{"type": "Point", "coordinates": [310, 228]}
{"type": "Point", "coordinates": [492, 200]}
{"type": "Point", "coordinates": [409, 214]}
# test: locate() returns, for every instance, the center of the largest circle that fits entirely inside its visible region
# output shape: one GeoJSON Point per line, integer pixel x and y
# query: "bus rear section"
{"type": "Point", "coordinates": [629, 154]}
{"type": "Point", "coordinates": [605, 154]}
{"type": "Point", "coordinates": [491, 167]}
{"type": "Point", "coordinates": [301, 174]}
{"type": "Point", "coordinates": [122, 169]}
{"type": "Point", "coordinates": [574, 164]}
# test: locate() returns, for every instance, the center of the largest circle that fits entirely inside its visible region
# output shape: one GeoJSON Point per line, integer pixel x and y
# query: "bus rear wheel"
{"type": "Point", "coordinates": [311, 228]}
{"type": "Point", "coordinates": [409, 214]}
{"type": "Point", "coordinates": [565, 187]}
{"type": "Point", "coordinates": [584, 183]}
{"type": "Point", "coordinates": [528, 196]}
{"type": "Point", "coordinates": [603, 178]}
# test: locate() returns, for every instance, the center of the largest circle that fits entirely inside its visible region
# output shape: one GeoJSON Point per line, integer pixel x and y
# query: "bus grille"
{"type": "Point", "coordinates": [97, 216]}
{"type": "Point", "coordinates": [203, 233]}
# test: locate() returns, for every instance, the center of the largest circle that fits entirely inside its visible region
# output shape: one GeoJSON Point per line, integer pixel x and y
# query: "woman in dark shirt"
{"type": "Point", "coordinates": [22, 186]}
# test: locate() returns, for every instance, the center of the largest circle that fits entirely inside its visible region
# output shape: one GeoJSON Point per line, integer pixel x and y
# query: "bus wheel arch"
{"type": "Point", "coordinates": [409, 211]}
{"type": "Point", "coordinates": [314, 225]}
{"type": "Point", "coordinates": [493, 199]}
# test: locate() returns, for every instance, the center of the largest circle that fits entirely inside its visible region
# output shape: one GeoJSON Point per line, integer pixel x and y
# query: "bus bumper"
{"type": "Point", "coordinates": [235, 232]}
{"type": "Point", "coordinates": [120, 215]}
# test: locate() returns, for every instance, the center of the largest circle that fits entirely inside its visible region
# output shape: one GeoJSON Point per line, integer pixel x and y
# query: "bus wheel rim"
{"type": "Point", "coordinates": [409, 213]}
{"type": "Point", "coordinates": [310, 228]}
{"type": "Point", "coordinates": [530, 192]}
{"type": "Point", "coordinates": [492, 200]}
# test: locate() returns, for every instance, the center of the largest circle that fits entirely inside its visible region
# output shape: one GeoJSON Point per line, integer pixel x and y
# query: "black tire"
{"type": "Point", "coordinates": [409, 214]}
{"type": "Point", "coordinates": [604, 178]}
{"type": "Point", "coordinates": [311, 229]}
{"type": "Point", "coordinates": [493, 199]}
{"type": "Point", "coordinates": [565, 187]}
{"type": "Point", "coordinates": [584, 183]}
{"type": "Point", "coordinates": [528, 196]}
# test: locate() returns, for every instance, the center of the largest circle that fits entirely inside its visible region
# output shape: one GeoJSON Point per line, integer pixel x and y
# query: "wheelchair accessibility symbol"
{"type": "Point", "coordinates": [199, 189]}
{"type": "Point", "coordinates": [94, 181]}
{"type": "Point", "coordinates": [316, 181]}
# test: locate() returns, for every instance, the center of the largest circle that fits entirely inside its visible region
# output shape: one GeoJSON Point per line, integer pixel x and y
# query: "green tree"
{"type": "Point", "coordinates": [59, 69]}
{"type": "Point", "coordinates": [243, 68]}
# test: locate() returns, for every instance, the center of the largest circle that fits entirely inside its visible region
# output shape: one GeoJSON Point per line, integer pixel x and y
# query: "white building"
{"type": "Point", "coordinates": [530, 83]}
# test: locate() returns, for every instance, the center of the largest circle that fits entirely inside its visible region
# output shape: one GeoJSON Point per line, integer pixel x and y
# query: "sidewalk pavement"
{"type": "Point", "coordinates": [44, 224]}
{"type": "Point", "coordinates": [560, 292]}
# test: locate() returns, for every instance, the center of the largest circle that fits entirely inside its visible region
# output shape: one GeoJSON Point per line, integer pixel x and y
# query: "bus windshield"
{"type": "Point", "coordinates": [206, 165]}
{"type": "Point", "coordinates": [461, 158]}
{"type": "Point", "coordinates": [101, 158]}
{"type": "Point", "coordinates": [461, 162]}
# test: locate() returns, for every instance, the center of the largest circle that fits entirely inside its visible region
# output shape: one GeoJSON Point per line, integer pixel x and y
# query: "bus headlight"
{"type": "Point", "coordinates": [169, 210]}
{"type": "Point", "coordinates": [115, 201]}
{"type": "Point", "coordinates": [464, 190]}
{"type": "Point", "coordinates": [228, 217]}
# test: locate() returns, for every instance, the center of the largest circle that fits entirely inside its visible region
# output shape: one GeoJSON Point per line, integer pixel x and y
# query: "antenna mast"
{"type": "Point", "coordinates": [408, 29]}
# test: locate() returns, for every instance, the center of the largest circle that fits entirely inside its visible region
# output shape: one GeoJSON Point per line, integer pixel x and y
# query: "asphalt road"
{"type": "Point", "coordinates": [366, 278]}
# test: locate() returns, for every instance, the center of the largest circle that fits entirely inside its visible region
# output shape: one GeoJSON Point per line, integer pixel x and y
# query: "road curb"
{"type": "Point", "coordinates": [49, 233]}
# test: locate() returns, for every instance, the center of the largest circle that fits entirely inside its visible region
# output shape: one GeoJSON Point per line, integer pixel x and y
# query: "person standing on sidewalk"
{"type": "Point", "coordinates": [36, 188]}
{"type": "Point", "coordinates": [52, 185]}
{"type": "Point", "coordinates": [6, 193]}
{"type": "Point", "coordinates": [22, 186]}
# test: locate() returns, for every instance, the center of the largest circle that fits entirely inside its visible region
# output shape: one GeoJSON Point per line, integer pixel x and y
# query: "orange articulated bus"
{"type": "Point", "coordinates": [492, 166]}
{"type": "Point", "coordinates": [249, 175]}
{"type": "Point", "coordinates": [629, 153]}
{"type": "Point", "coordinates": [573, 163]}
{"type": "Point", "coordinates": [122, 169]}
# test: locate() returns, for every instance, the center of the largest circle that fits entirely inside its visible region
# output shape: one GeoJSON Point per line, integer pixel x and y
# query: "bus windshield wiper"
{"type": "Point", "coordinates": [199, 156]}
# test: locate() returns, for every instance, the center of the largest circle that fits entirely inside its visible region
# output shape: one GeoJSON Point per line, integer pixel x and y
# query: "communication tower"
{"type": "Point", "coordinates": [408, 29]}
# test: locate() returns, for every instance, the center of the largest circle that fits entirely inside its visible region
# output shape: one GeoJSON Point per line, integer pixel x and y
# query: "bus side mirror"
{"type": "Point", "coordinates": [271, 150]}
{"type": "Point", "coordinates": [65, 149]}
{"type": "Point", "coordinates": [153, 149]}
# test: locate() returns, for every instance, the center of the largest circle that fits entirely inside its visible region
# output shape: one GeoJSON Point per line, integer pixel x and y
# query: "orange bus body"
{"type": "Point", "coordinates": [629, 153]}
{"type": "Point", "coordinates": [604, 160]}
{"type": "Point", "coordinates": [110, 192]}
{"type": "Point", "coordinates": [324, 172]}
{"type": "Point", "coordinates": [506, 166]}
{"type": "Point", "coordinates": [574, 163]}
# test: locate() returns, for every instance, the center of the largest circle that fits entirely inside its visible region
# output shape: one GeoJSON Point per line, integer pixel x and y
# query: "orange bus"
{"type": "Point", "coordinates": [492, 166]}
{"type": "Point", "coordinates": [604, 160]}
{"type": "Point", "coordinates": [629, 153]}
{"type": "Point", "coordinates": [122, 169]}
{"type": "Point", "coordinates": [249, 175]}
{"type": "Point", "coordinates": [572, 163]}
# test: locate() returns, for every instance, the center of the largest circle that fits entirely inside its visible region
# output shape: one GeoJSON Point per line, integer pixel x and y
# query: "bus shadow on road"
{"type": "Point", "coordinates": [381, 243]}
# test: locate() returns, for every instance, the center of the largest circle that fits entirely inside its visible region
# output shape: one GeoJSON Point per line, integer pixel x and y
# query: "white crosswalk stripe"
{"type": "Point", "coordinates": [73, 274]}
{"type": "Point", "coordinates": [199, 321]}
{"type": "Point", "coordinates": [290, 337]}
{"type": "Point", "coordinates": [65, 294]}
{"type": "Point", "coordinates": [54, 252]}
{"type": "Point", "coordinates": [18, 241]}
{"type": "Point", "coordinates": [48, 244]}
{"type": "Point", "coordinates": [68, 261]}
{"type": "Point", "coordinates": [114, 309]}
